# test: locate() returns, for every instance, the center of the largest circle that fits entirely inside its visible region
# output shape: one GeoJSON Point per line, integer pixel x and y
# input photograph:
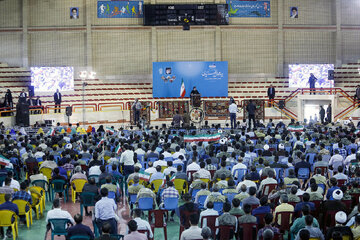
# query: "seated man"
{"type": "Point", "coordinates": [209, 211]}
{"type": "Point", "coordinates": [292, 197]}
{"type": "Point", "coordinates": [215, 196]}
{"type": "Point", "coordinates": [105, 211]}
{"type": "Point", "coordinates": [194, 232]}
{"type": "Point", "coordinates": [188, 206]}
{"type": "Point", "coordinates": [56, 212]}
{"type": "Point", "coordinates": [268, 221]}
{"type": "Point", "coordinates": [169, 192]}
{"type": "Point", "coordinates": [158, 175]}
{"type": "Point", "coordinates": [300, 223]}
{"type": "Point", "coordinates": [78, 174]}
{"type": "Point", "coordinates": [202, 192]}
{"type": "Point", "coordinates": [230, 187]}
{"type": "Point", "coordinates": [315, 232]}
{"type": "Point", "coordinates": [221, 171]}
{"type": "Point", "coordinates": [142, 224]}
{"type": "Point", "coordinates": [252, 199]}
{"type": "Point", "coordinates": [92, 188]}
{"type": "Point", "coordinates": [243, 192]}
{"type": "Point", "coordinates": [6, 189]}
{"type": "Point", "coordinates": [131, 176]}
{"type": "Point", "coordinates": [135, 187]}
{"type": "Point", "coordinates": [79, 228]}
{"type": "Point", "coordinates": [283, 207]}
{"type": "Point", "coordinates": [263, 208]}
{"type": "Point", "coordinates": [8, 205]}
{"type": "Point", "coordinates": [222, 184]}
{"type": "Point", "coordinates": [247, 218]}
{"type": "Point", "coordinates": [269, 180]}
{"type": "Point", "coordinates": [305, 201]}
{"type": "Point", "coordinates": [180, 174]}
{"type": "Point", "coordinates": [236, 209]}
{"type": "Point", "coordinates": [340, 219]}
{"type": "Point", "coordinates": [146, 193]}
{"type": "Point", "coordinates": [111, 187]}
{"type": "Point", "coordinates": [226, 219]}
{"type": "Point", "coordinates": [134, 234]}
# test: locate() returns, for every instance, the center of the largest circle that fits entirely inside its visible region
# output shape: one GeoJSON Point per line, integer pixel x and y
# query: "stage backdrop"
{"type": "Point", "coordinates": [210, 78]}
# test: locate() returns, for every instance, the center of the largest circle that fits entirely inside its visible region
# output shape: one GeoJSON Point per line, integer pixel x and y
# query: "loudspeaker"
{"type": "Point", "coordinates": [68, 111]}
{"type": "Point", "coordinates": [31, 91]}
{"type": "Point", "coordinates": [22, 114]}
{"type": "Point", "coordinates": [331, 74]}
{"type": "Point", "coordinates": [281, 104]}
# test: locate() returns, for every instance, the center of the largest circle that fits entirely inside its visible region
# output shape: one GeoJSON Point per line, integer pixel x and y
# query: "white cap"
{"type": "Point", "coordinates": [68, 146]}
{"type": "Point", "coordinates": [220, 131]}
{"type": "Point", "coordinates": [280, 120]}
{"type": "Point", "coordinates": [266, 147]}
{"type": "Point", "coordinates": [350, 118]}
{"type": "Point", "coordinates": [281, 146]}
{"type": "Point", "coordinates": [340, 217]}
{"type": "Point", "coordinates": [337, 194]}
{"type": "Point", "coordinates": [223, 141]}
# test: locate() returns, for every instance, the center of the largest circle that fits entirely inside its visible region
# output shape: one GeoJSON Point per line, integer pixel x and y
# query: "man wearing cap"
{"type": "Point", "coordinates": [135, 187]}
{"type": "Point", "coordinates": [336, 204]}
{"type": "Point", "coordinates": [340, 218]}
{"type": "Point", "coordinates": [78, 174]}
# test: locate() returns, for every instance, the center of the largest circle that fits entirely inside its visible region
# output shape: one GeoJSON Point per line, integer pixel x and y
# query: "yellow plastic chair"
{"type": "Point", "coordinates": [43, 196]}
{"type": "Point", "coordinates": [47, 172]}
{"type": "Point", "coordinates": [37, 204]}
{"type": "Point", "coordinates": [206, 180]}
{"type": "Point", "coordinates": [79, 184]}
{"type": "Point", "coordinates": [181, 186]}
{"type": "Point", "coordinates": [157, 184]}
{"type": "Point", "coordinates": [163, 168]}
{"type": "Point", "coordinates": [22, 210]}
{"type": "Point", "coordinates": [106, 158]}
{"type": "Point", "coordinates": [2, 198]}
{"type": "Point", "coordinates": [68, 173]}
{"type": "Point", "coordinates": [9, 219]}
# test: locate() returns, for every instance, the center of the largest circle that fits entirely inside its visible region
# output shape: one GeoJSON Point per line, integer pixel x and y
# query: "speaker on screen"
{"type": "Point", "coordinates": [331, 74]}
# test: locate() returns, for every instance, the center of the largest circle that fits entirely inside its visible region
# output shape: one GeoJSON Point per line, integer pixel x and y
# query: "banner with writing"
{"type": "Point", "coordinates": [257, 9]}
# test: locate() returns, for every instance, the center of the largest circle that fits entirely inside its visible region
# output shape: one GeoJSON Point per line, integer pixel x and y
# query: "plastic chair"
{"type": "Point", "coordinates": [38, 206]}
{"type": "Point", "coordinates": [59, 186]}
{"type": "Point", "coordinates": [189, 175]}
{"type": "Point", "coordinates": [24, 209]}
{"type": "Point", "coordinates": [146, 203]}
{"type": "Point", "coordinates": [117, 236]}
{"type": "Point", "coordinates": [44, 185]}
{"type": "Point", "coordinates": [132, 198]}
{"type": "Point", "coordinates": [239, 174]}
{"type": "Point", "coordinates": [80, 237]}
{"type": "Point", "coordinates": [9, 219]}
{"type": "Point", "coordinates": [181, 186]}
{"type": "Point", "coordinates": [329, 219]}
{"type": "Point", "coordinates": [303, 173]}
{"type": "Point", "coordinates": [201, 201]}
{"type": "Point", "coordinates": [87, 200]}
{"type": "Point", "coordinates": [58, 226]}
{"type": "Point", "coordinates": [248, 231]}
{"type": "Point", "coordinates": [2, 198]}
{"type": "Point", "coordinates": [185, 220]}
{"type": "Point", "coordinates": [158, 220]}
{"type": "Point", "coordinates": [47, 172]}
{"type": "Point", "coordinates": [171, 203]}
{"type": "Point", "coordinates": [218, 206]}
{"type": "Point", "coordinates": [286, 221]}
{"type": "Point", "coordinates": [225, 232]}
{"type": "Point", "coordinates": [79, 184]}
{"type": "Point", "coordinates": [157, 184]}
{"type": "Point", "coordinates": [260, 219]}
{"type": "Point", "coordinates": [210, 222]}
{"type": "Point", "coordinates": [267, 188]}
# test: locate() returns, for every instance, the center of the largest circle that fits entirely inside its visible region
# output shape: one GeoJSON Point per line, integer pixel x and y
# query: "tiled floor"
{"type": "Point", "coordinates": [37, 230]}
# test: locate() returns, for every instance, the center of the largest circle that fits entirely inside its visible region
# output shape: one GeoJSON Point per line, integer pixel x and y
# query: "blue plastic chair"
{"type": "Point", "coordinates": [117, 236]}
{"type": "Point", "coordinates": [58, 226]}
{"type": "Point", "coordinates": [311, 157]}
{"type": "Point", "coordinates": [133, 198]}
{"type": "Point", "coordinates": [303, 173]}
{"type": "Point", "coordinates": [239, 174]}
{"type": "Point", "coordinates": [87, 200]}
{"type": "Point", "coordinates": [169, 159]}
{"type": "Point", "coordinates": [201, 201]}
{"type": "Point", "coordinates": [112, 195]}
{"type": "Point", "coordinates": [218, 206]}
{"type": "Point", "coordinates": [193, 193]}
{"type": "Point", "coordinates": [230, 196]}
{"type": "Point", "coordinates": [287, 171]}
{"type": "Point", "coordinates": [171, 203]}
{"type": "Point", "coordinates": [279, 173]}
{"type": "Point", "coordinates": [43, 184]}
{"type": "Point", "coordinates": [146, 203]}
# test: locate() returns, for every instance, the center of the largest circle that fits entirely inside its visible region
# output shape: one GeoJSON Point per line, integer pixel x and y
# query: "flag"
{"type": "Point", "coordinates": [110, 130]}
{"type": "Point", "coordinates": [101, 142]}
{"type": "Point", "coordinates": [172, 177]}
{"type": "Point", "coordinates": [144, 176]}
{"type": "Point", "coordinates": [4, 161]}
{"type": "Point", "coordinates": [182, 89]}
{"type": "Point", "coordinates": [293, 128]}
{"type": "Point", "coordinates": [118, 150]}
{"type": "Point", "coordinates": [202, 137]}
{"type": "Point", "coordinates": [51, 132]}
{"type": "Point", "coordinates": [356, 131]}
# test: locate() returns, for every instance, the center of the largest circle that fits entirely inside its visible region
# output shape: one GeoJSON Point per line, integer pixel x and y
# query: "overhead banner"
{"type": "Point", "coordinates": [257, 9]}
{"type": "Point", "coordinates": [170, 79]}
{"type": "Point", "coordinates": [120, 9]}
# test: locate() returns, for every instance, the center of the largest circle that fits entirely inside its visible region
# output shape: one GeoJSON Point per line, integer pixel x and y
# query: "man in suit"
{"type": "Point", "coordinates": [328, 113]}
{"type": "Point", "coordinates": [57, 100]}
{"type": "Point", "coordinates": [322, 114]}
{"type": "Point", "coordinates": [271, 94]}
{"type": "Point", "coordinates": [251, 109]}
{"type": "Point", "coordinates": [23, 96]}
{"type": "Point", "coordinates": [37, 103]}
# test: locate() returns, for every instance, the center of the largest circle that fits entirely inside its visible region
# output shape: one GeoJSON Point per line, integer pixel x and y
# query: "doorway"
{"type": "Point", "coordinates": [311, 111]}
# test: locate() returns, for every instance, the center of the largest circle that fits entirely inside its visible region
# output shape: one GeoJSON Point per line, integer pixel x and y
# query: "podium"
{"type": "Point", "coordinates": [195, 100]}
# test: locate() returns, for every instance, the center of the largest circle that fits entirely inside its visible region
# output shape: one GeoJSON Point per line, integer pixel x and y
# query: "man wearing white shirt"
{"type": "Point", "coordinates": [193, 232]}
{"type": "Point", "coordinates": [193, 166]}
{"type": "Point", "coordinates": [14, 183]}
{"type": "Point", "coordinates": [248, 183]}
{"type": "Point", "coordinates": [160, 162]}
{"type": "Point", "coordinates": [95, 170]}
{"type": "Point", "coordinates": [350, 157]}
{"type": "Point", "coordinates": [139, 150]}
{"type": "Point", "coordinates": [142, 224]}
{"type": "Point", "coordinates": [336, 159]}
{"type": "Point", "coordinates": [177, 153]}
{"type": "Point", "coordinates": [56, 212]}
{"type": "Point", "coordinates": [167, 153]}
{"type": "Point", "coordinates": [239, 165]}
{"type": "Point", "coordinates": [209, 211]}
{"type": "Point", "coordinates": [127, 158]}
{"type": "Point", "coordinates": [169, 168]}
{"type": "Point", "coordinates": [150, 170]}
{"type": "Point", "coordinates": [340, 175]}
{"type": "Point", "coordinates": [202, 172]}
{"type": "Point", "coordinates": [233, 111]}
{"type": "Point", "coordinates": [158, 175]}
{"type": "Point", "coordinates": [39, 153]}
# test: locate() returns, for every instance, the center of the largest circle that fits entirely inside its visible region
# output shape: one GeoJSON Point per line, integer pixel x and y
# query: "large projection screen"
{"type": "Point", "coordinates": [49, 79]}
{"type": "Point", "coordinates": [299, 75]}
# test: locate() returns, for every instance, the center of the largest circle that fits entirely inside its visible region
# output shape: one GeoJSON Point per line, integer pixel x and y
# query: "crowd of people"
{"type": "Point", "coordinates": [282, 181]}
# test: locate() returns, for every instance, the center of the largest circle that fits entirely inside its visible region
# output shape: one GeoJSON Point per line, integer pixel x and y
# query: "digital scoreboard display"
{"type": "Point", "coordinates": [180, 14]}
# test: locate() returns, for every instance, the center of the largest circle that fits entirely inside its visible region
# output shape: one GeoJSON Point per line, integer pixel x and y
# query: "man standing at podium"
{"type": "Point", "coordinates": [195, 97]}
{"type": "Point", "coordinates": [194, 91]}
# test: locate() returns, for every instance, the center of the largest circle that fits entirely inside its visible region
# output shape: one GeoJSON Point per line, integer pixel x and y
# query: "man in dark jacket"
{"type": "Point", "coordinates": [57, 100]}
{"type": "Point", "coordinates": [251, 108]}
{"type": "Point", "coordinates": [271, 94]}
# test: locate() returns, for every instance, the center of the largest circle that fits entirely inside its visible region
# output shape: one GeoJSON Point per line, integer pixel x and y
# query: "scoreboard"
{"type": "Point", "coordinates": [180, 14]}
